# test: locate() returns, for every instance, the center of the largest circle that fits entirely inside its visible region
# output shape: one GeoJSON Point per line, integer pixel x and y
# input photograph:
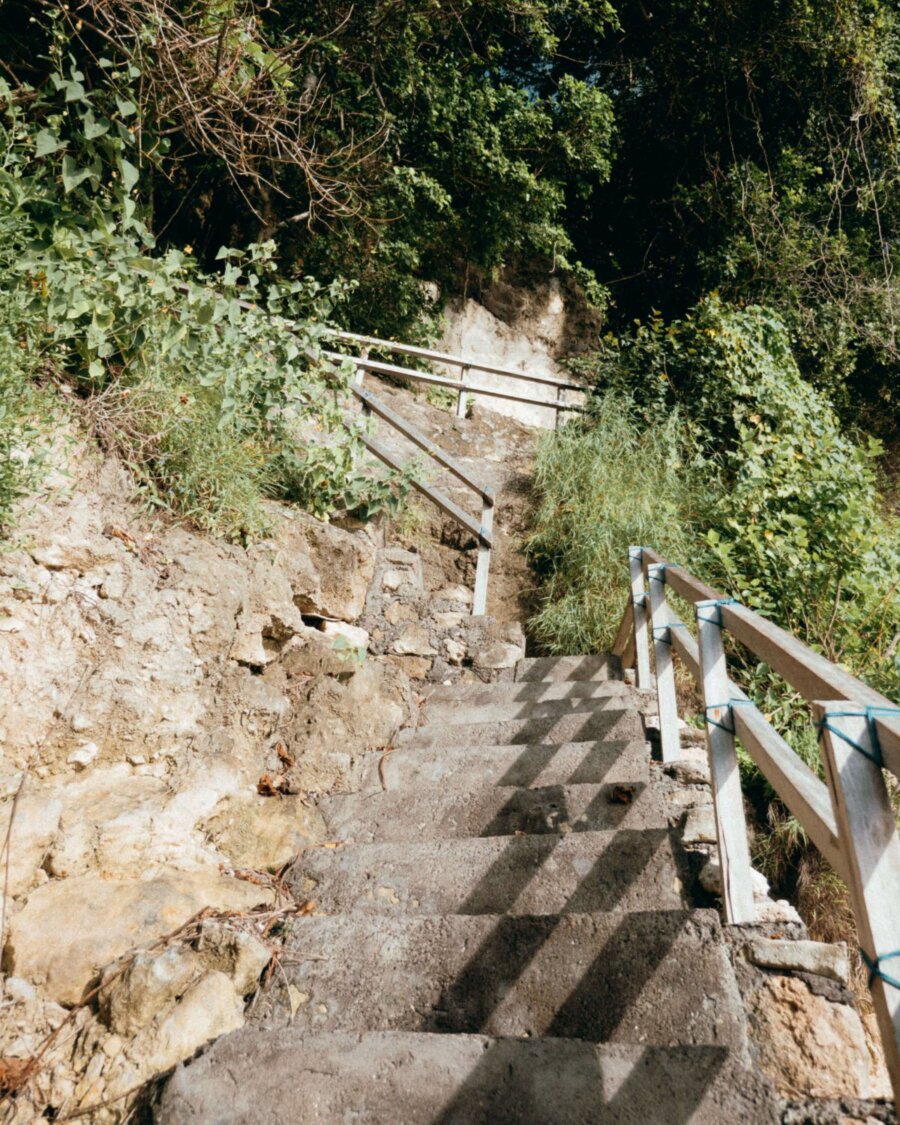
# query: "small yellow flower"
{"type": "Point", "coordinates": [767, 534]}
{"type": "Point", "coordinates": [188, 249]}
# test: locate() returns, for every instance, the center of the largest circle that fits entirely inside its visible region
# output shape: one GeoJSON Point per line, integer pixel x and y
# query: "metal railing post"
{"type": "Point", "coordinates": [868, 835]}
{"type": "Point", "coordinates": [639, 601]}
{"type": "Point", "coordinates": [483, 566]}
{"type": "Point", "coordinates": [461, 397]}
{"type": "Point", "coordinates": [731, 825]}
{"type": "Point", "coordinates": [661, 629]}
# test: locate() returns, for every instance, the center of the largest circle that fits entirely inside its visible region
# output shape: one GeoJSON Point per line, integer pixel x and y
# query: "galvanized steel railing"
{"type": "Point", "coordinates": [850, 819]}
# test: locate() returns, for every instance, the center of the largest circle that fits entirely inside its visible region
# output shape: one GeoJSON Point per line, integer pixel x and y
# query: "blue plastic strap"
{"type": "Point", "coordinates": [730, 704]}
{"type": "Point", "coordinates": [663, 633]}
{"type": "Point", "coordinates": [716, 604]}
{"type": "Point", "coordinates": [873, 964]}
{"type": "Point", "coordinates": [870, 714]}
{"type": "Point", "coordinates": [657, 572]}
{"type": "Point", "coordinates": [639, 599]}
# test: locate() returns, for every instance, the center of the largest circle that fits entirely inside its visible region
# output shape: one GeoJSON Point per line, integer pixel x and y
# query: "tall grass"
{"type": "Point", "coordinates": [601, 484]}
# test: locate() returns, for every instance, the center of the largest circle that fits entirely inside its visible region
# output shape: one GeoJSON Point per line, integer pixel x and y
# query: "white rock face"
{"type": "Point", "coordinates": [822, 958]}
{"type": "Point", "coordinates": [474, 333]}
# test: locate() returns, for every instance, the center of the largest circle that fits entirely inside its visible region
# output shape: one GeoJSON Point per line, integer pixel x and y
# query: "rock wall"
{"type": "Point", "coordinates": [526, 331]}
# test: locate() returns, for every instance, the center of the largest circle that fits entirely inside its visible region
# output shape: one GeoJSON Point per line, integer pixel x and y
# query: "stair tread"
{"type": "Point", "coordinates": [581, 872]}
{"type": "Point", "coordinates": [597, 667]}
{"type": "Point", "coordinates": [479, 695]}
{"type": "Point", "coordinates": [578, 726]}
{"type": "Point", "coordinates": [461, 711]}
{"type": "Point", "coordinates": [523, 765]}
{"type": "Point", "coordinates": [621, 977]}
{"type": "Point", "coordinates": [440, 812]}
{"type": "Point", "coordinates": [289, 1077]}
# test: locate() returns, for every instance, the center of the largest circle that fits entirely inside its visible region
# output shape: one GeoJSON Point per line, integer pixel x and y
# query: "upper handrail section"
{"type": "Point", "coordinates": [456, 361]}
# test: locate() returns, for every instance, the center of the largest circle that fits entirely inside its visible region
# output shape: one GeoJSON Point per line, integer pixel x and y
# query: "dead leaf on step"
{"type": "Point", "coordinates": [13, 1073]}
{"type": "Point", "coordinates": [273, 785]}
{"type": "Point", "coordinates": [283, 756]}
{"type": "Point", "coordinates": [622, 794]}
{"type": "Point", "coordinates": [113, 532]}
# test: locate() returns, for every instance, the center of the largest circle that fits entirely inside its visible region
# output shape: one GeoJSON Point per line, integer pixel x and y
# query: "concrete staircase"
{"type": "Point", "coordinates": [504, 934]}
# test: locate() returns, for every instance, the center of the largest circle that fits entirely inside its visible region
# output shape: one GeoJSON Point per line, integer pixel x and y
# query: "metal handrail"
{"type": "Point", "coordinates": [849, 818]}
{"type": "Point", "coordinates": [364, 364]}
{"type": "Point", "coordinates": [456, 361]}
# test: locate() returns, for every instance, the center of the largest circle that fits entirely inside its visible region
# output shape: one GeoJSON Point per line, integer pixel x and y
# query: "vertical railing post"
{"type": "Point", "coordinates": [667, 703]}
{"type": "Point", "coordinates": [731, 825]}
{"type": "Point", "coordinates": [360, 370]}
{"type": "Point", "coordinates": [639, 601]}
{"type": "Point", "coordinates": [461, 398]}
{"type": "Point", "coordinates": [868, 836]}
{"type": "Point", "coordinates": [483, 566]}
{"type": "Point", "coordinates": [560, 399]}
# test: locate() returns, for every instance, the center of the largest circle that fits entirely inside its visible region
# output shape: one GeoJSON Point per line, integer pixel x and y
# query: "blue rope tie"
{"type": "Point", "coordinates": [667, 630]}
{"type": "Point", "coordinates": [714, 603]}
{"type": "Point", "coordinates": [870, 714]}
{"type": "Point", "coordinates": [730, 704]}
{"type": "Point", "coordinates": [639, 599]}
{"type": "Point", "coordinates": [873, 964]}
{"type": "Point", "coordinates": [657, 573]}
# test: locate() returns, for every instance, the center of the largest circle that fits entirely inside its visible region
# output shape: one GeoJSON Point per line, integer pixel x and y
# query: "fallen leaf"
{"type": "Point", "coordinates": [283, 756]}
{"type": "Point", "coordinates": [14, 1072]}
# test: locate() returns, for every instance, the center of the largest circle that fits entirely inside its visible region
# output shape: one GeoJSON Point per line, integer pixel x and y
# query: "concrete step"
{"type": "Point", "coordinates": [577, 873]}
{"type": "Point", "coordinates": [441, 813]}
{"type": "Point", "coordinates": [462, 711]}
{"type": "Point", "coordinates": [287, 1077]}
{"type": "Point", "coordinates": [660, 978]}
{"type": "Point", "coordinates": [557, 668]}
{"type": "Point", "coordinates": [578, 726]}
{"type": "Point", "coordinates": [484, 695]}
{"type": "Point", "coordinates": [544, 764]}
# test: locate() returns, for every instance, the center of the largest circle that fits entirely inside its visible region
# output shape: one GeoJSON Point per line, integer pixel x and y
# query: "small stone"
{"type": "Point", "coordinates": [135, 759]}
{"type": "Point", "coordinates": [454, 594]}
{"type": "Point", "coordinates": [233, 952]}
{"type": "Point", "coordinates": [83, 756]}
{"type": "Point", "coordinates": [448, 620]}
{"type": "Point", "coordinates": [11, 625]}
{"type": "Point", "coordinates": [400, 611]}
{"type": "Point", "coordinates": [456, 650]}
{"type": "Point", "coordinates": [700, 826]}
{"type": "Point", "coordinates": [711, 880]}
{"type": "Point", "coordinates": [781, 912]}
{"type": "Point", "coordinates": [81, 723]}
{"type": "Point", "coordinates": [499, 655]}
{"type": "Point", "coordinates": [817, 957]}
{"type": "Point", "coordinates": [413, 641]}
{"type": "Point", "coordinates": [416, 667]}
{"type": "Point", "coordinates": [19, 989]}
{"type": "Point", "coordinates": [112, 1046]}
{"type": "Point", "coordinates": [392, 580]}
{"type": "Point", "coordinates": [352, 635]}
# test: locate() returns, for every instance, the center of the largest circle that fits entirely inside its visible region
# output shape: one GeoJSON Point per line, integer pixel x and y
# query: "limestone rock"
{"type": "Point", "coordinates": [807, 1045]}
{"type": "Point", "coordinates": [821, 958]}
{"type": "Point", "coordinates": [234, 953]}
{"type": "Point", "coordinates": [69, 929]}
{"type": "Point", "coordinates": [398, 612]}
{"type": "Point", "coordinates": [83, 756]}
{"type": "Point", "coordinates": [35, 819]}
{"type": "Point", "coordinates": [456, 650]}
{"type": "Point", "coordinates": [146, 988]}
{"type": "Point", "coordinates": [66, 553]}
{"type": "Point", "coordinates": [264, 832]}
{"type": "Point", "coordinates": [351, 635]}
{"type": "Point", "coordinates": [498, 655]}
{"type": "Point", "coordinates": [339, 567]}
{"type": "Point", "coordinates": [711, 880]}
{"type": "Point", "coordinates": [458, 594]}
{"type": "Point", "coordinates": [700, 826]}
{"type": "Point", "coordinates": [414, 641]}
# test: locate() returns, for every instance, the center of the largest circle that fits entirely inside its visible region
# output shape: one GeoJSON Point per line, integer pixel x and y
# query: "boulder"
{"type": "Point", "coordinates": [233, 952]}
{"type": "Point", "coordinates": [150, 984]}
{"type": "Point", "coordinates": [809, 1046]}
{"type": "Point", "coordinates": [329, 569]}
{"type": "Point", "coordinates": [70, 929]}
{"type": "Point", "coordinates": [264, 832]}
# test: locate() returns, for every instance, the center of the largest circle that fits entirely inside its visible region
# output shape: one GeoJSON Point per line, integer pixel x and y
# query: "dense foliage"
{"type": "Point", "coordinates": [776, 504]}
{"type": "Point", "coordinates": [211, 397]}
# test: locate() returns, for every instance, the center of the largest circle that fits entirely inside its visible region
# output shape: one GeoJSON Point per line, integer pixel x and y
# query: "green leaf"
{"type": "Point", "coordinates": [72, 175]}
{"type": "Point", "coordinates": [130, 174]}
{"type": "Point", "coordinates": [92, 127]}
{"type": "Point", "coordinates": [126, 107]}
{"type": "Point", "coordinates": [46, 142]}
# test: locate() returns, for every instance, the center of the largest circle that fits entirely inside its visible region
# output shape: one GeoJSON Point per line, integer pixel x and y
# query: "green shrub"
{"type": "Point", "coordinates": [602, 484]}
{"type": "Point", "coordinates": [209, 386]}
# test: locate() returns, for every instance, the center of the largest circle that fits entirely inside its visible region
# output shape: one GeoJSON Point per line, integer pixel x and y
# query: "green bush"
{"type": "Point", "coordinates": [797, 528]}
{"type": "Point", "coordinates": [602, 484]}
{"type": "Point", "coordinates": [209, 386]}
